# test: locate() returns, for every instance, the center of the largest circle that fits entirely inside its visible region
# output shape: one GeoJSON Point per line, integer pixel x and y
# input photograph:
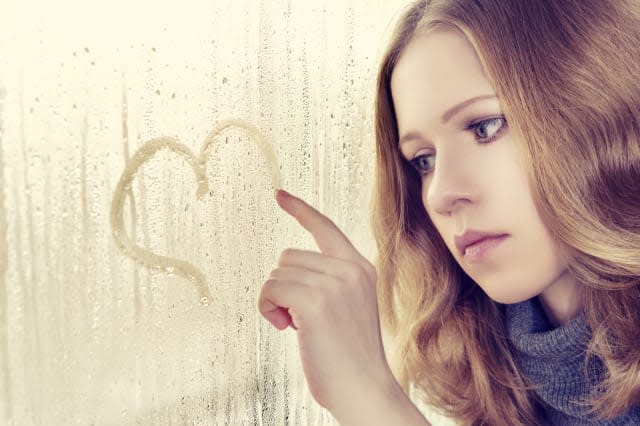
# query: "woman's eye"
{"type": "Point", "coordinates": [423, 163]}
{"type": "Point", "coordinates": [487, 130]}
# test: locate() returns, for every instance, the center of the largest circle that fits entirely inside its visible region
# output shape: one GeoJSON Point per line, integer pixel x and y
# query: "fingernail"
{"type": "Point", "coordinates": [285, 201]}
{"type": "Point", "coordinates": [282, 192]}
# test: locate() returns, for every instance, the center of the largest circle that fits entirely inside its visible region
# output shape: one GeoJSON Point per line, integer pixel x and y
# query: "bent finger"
{"type": "Point", "coordinates": [278, 296]}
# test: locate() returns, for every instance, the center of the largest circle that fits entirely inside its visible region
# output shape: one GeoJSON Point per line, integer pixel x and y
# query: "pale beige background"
{"type": "Point", "coordinates": [89, 335]}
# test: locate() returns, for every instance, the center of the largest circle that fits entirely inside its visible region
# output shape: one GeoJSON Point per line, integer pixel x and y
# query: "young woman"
{"type": "Point", "coordinates": [507, 220]}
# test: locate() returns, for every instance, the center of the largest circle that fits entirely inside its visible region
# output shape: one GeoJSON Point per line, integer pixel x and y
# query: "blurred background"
{"type": "Point", "coordinates": [109, 243]}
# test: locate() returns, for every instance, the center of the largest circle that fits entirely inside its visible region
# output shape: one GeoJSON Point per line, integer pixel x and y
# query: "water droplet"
{"type": "Point", "coordinates": [204, 301]}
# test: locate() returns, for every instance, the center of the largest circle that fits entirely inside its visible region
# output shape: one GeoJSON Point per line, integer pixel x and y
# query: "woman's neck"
{"type": "Point", "coordinates": [561, 300]}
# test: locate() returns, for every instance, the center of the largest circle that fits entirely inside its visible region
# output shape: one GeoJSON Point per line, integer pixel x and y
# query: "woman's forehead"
{"type": "Point", "coordinates": [434, 74]}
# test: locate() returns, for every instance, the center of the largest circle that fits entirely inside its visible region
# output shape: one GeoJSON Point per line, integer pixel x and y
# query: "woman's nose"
{"type": "Point", "coordinates": [451, 186]}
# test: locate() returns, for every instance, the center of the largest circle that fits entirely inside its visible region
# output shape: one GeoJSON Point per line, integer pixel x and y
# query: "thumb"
{"type": "Point", "coordinates": [277, 315]}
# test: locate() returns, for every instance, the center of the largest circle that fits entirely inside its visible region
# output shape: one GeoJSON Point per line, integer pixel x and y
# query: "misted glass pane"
{"type": "Point", "coordinates": [140, 144]}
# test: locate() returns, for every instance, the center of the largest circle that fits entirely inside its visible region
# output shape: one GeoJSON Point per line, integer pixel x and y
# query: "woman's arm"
{"type": "Point", "coordinates": [381, 406]}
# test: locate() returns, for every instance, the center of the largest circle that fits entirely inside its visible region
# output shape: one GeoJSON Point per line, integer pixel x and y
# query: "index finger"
{"type": "Point", "coordinates": [330, 239]}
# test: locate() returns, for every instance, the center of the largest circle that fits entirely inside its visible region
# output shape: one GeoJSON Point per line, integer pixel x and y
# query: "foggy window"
{"type": "Point", "coordinates": [140, 143]}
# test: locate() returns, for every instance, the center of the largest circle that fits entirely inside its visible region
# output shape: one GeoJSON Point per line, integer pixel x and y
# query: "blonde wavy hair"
{"type": "Point", "coordinates": [567, 74]}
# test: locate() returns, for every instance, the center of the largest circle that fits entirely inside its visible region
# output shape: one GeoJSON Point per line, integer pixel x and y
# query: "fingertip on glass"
{"type": "Point", "coordinates": [282, 192]}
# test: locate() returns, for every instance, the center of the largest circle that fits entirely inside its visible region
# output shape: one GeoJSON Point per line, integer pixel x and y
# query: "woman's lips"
{"type": "Point", "coordinates": [482, 248]}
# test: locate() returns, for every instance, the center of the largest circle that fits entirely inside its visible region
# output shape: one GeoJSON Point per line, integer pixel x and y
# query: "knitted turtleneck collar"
{"type": "Point", "coordinates": [553, 358]}
{"type": "Point", "coordinates": [531, 332]}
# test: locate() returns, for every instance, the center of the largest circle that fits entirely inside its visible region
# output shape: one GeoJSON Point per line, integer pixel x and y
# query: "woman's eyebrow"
{"type": "Point", "coordinates": [446, 116]}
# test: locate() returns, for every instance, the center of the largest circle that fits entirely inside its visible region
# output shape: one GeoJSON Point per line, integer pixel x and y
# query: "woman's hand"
{"type": "Point", "coordinates": [329, 298]}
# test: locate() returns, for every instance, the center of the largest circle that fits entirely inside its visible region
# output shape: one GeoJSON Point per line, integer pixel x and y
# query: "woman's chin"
{"type": "Point", "coordinates": [508, 296]}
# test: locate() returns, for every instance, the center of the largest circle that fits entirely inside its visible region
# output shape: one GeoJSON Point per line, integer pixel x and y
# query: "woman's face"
{"type": "Point", "coordinates": [472, 179]}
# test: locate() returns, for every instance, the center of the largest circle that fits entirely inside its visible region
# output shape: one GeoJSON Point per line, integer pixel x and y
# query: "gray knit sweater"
{"type": "Point", "coordinates": [553, 358]}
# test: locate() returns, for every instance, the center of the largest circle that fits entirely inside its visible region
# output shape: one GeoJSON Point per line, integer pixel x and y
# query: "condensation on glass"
{"type": "Point", "coordinates": [140, 143]}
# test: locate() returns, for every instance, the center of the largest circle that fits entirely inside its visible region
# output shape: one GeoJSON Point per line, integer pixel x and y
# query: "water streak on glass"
{"type": "Point", "coordinates": [4, 249]}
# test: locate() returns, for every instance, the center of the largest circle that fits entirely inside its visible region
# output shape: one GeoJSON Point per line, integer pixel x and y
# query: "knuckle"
{"type": "Point", "coordinates": [286, 256]}
{"type": "Point", "coordinates": [361, 275]}
{"type": "Point", "coordinates": [269, 283]}
{"type": "Point", "coordinates": [355, 274]}
{"type": "Point", "coordinates": [370, 270]}
{"type": "Point", "coordinates": [328, 221]}
{"type": "Point", "coordinates": [272, 275]}
{"type": "Point", "coordinates": [265, 291]}
{"type": "Point", "coordinates": [325, 222]}
{"type": "Point", "coordinates": [336, 290]}
{"type": "Point", "coordinates": [322, 302]}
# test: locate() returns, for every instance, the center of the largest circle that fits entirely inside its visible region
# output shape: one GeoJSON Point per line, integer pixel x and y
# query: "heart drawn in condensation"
{"type": "Point", "coordinates": [145, 256]}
